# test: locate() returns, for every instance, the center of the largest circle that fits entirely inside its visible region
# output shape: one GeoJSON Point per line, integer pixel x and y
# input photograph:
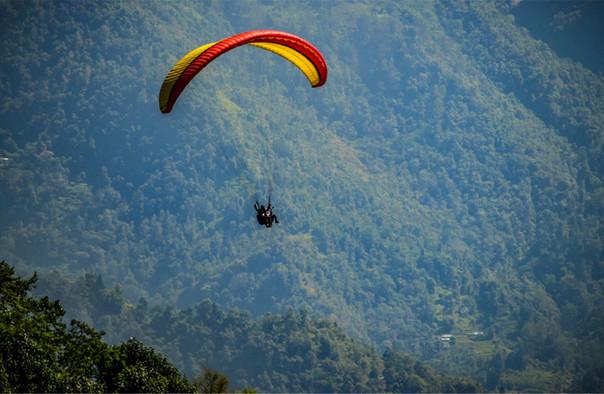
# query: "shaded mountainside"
{"type": "Point", "coordinates": [446, 181]}
{"type": "Point", "coordinates": [571, 28]}
{"type": "Point", "coordinates": [38, 354]}
{"type": "Point", "coordinates": [286, 353]}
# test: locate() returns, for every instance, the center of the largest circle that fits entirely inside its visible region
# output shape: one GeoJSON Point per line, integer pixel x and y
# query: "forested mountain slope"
{"type": "Point", "coordinates": [284, 353]}
{"type": "Point", "coordinates": [447, 179]}
{"type": "Point", "coordinates": [38, 354]}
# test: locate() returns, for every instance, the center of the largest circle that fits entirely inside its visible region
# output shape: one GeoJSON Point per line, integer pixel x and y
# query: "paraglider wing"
{"type": "Point", "coordinates": [298, 51]}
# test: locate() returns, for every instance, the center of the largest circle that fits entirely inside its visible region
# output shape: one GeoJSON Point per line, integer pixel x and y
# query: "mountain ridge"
{"type": "Point", "coordinates": [445, 180]}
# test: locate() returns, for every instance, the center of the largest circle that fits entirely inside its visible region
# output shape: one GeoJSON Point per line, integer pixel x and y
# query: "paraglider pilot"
{"type": "Point", "coordinates": [265, 215]}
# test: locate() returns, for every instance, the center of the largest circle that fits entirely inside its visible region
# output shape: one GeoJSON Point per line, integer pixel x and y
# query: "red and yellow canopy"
{"type": "Point", "coordinates": [298, 51]}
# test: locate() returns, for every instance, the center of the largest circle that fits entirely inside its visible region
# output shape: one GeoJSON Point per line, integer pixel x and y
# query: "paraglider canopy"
{"type": "Point", "coordinates": [298, 51]}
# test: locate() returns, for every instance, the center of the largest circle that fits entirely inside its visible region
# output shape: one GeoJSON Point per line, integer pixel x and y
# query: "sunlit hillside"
{"type": "Point", "coordinates": [440, 195]}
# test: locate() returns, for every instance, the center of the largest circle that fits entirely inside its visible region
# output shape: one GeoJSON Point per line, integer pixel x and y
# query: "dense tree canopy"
{"type": "Point", "coordinates": [39, 354]}
{"type": "Point", "coordinates": [440, 195]}
{"type": "Point", "coordinates": [289, 353]}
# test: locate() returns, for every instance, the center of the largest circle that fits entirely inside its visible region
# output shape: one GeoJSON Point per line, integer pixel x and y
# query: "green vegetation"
{"type": "Point", "coordinates": [446, 181]}
{"type": "Point", "coordinates": [39, 354]}
{"type": "Point", "coordinates": [212, 382]}
{"type": "Point", "coordinates": [289, 353]}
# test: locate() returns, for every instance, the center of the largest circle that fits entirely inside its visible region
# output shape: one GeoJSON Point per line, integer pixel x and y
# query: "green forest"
{"type": "Point", "coordinates": [278, 353]}
{"type": "Point", "coordinates": [440, 198]}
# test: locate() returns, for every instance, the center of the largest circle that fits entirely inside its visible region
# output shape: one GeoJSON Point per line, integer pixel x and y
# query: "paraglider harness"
{"type": "Point", "coordinates": [265, 215]}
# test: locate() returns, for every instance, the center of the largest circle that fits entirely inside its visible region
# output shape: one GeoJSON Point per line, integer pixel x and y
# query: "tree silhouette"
{"type": "Point", "coordinates": [211, 382]}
